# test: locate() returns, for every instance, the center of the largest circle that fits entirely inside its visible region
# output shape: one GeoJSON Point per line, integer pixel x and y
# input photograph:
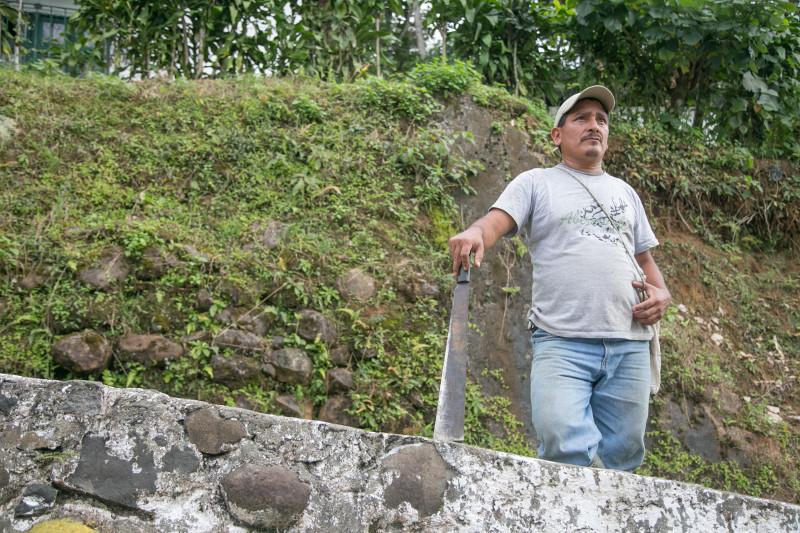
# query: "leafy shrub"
{"type": "Point", "coordinates": [307, 110]}
{"type": "Point", "coordinates": [725, 191]}
{"type": "Point", "coordinates": [395, 98]}
{"type": "Point", "coordinates": [9, 252]}
{"type": "Point", "coordinates": [666, 457]}
{"type": "Point", "coordinates": [445, 79]}
{"type": "Point", "coordinates": [499, 98]}
{"type": "Point", "coordinates": [140, 237]}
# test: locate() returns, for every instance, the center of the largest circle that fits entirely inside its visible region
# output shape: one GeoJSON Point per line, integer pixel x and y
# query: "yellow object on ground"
{"type": "Point", "coordinates": [60, 526]}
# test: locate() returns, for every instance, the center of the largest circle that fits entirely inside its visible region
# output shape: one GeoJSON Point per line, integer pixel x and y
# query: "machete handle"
{"type": "Point", "coordinates": [463, 275]}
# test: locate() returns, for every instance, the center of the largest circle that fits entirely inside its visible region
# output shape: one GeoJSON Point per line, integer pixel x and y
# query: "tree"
{"type": "Point", "coordinates": [510, 41]}
{"type": "Point", "coordinates": [20, 33]}
{"type": "Point", "coordinates": [191, 38]}
{"type": "Point", "coordinates": [735, 66]}
{"type": "Point", "coordinates": [731, 65]}
{"type": "Point", "coordinates": [9, 29]}
{"type": "Point", "coordinates": [338, 39]}
{"type": "Point", "coordinates": [418, 32]}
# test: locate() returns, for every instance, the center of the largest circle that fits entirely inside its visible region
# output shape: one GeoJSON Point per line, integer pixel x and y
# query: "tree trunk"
{"type": "Point", "coordinates": [443, 32]}
{"type": "Point", "coordinates": [172, 53]}
{"type": "Point", "coordinates": [146, 62]}
{"type": "Point", "coordinates": [698, 80]}
{"type": "Point", "coordinates": [697, 121]}
{"type": "Point", "coordinates": [185, 65]}
{"type": "Point", "coordinates": [514, 65]}
{"type": "Point", "coordinates": [18, 40]}
{"type": "Point", "coordinates": [118, 54]}
{"type": "Point", "coordinates": [107, 57]}
{"type": "Point", "coordinates": [378, 46]}
{"type": "Point", "coordinates": [200, 59]}
{"type": "Point", "coordinates": [418, 30]}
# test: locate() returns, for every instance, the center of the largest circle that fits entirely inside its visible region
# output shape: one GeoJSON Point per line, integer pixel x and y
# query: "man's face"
{"type": "Point", "coordinates": [584, 136]}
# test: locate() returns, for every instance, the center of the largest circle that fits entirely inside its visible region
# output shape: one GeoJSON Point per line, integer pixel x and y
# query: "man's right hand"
{"type": "Point", "coordinates": [469, 241]}
{"type": "Point", "coordinates": [479, 237]}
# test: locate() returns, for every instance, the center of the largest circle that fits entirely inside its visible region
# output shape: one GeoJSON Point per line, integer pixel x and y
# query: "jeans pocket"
{"type": "Point", "coordinates": [538, 337]}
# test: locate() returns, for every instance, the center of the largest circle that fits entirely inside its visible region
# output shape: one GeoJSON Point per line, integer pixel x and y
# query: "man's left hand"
{"type": "Point", "coordinates": [654, 307]}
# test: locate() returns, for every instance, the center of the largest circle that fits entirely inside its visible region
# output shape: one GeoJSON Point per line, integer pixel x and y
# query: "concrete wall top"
{"type": "Point", "coordinates": [131, 460]}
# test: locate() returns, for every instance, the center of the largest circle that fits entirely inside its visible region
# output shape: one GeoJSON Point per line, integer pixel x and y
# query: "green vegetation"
{"type": "Point", "coordinates": [735, 67]}
{"type": "Point", "coordinates": [720, 190]}
{"type": "Point", "coordinates": [669, 459]}
{"type": "Point", "coordinates": [443, 79]}
{"type": "Point", "coordinates": [729, 70]}
{"type": "Point", "coordinates": [733, 293]}
{"type": "Point", "coordinates": [360, 174]}
{"type": "Point", "coordinates": [363, 175]}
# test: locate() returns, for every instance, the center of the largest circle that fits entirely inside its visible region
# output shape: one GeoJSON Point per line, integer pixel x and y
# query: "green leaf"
{"type": "Point", "coordinates": [753, 83]}
{"type": "Point", "coordinates": [584, 9]}
{"type": "Point", "coordinates": [612, 25]}
{"type": "Point", "coordinates": [470, 15]}
{"type": "Point", "coordinates": [27, 318]}
{"type": "Point", "coordinates": [692, 37]}
{"type": "Point", "coordinates": [665, 54]}
{"type": "Point", "coordinates": [738, 105]}
{"type": "Point", "coordinates": [769, 103]}
{"type": "Point", "coordinates": [478, 28]}
{"type": "Point", "coordinates": [652, 34]}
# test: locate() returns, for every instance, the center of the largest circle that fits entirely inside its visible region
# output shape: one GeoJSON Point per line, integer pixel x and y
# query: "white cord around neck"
{"type": "Point", "coordinates": [636, 267]}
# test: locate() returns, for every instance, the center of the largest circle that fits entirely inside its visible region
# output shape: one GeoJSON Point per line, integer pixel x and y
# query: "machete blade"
{"type": "Point", "coordinates": [449, 424]}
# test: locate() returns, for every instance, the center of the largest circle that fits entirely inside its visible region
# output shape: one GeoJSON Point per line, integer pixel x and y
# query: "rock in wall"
{"type": "Point", "coordinates": [130, 460]}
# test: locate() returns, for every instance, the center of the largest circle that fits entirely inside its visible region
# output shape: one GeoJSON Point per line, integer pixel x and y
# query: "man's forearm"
{"type": "Point", "coordinates": [651, 270]}
{"type": "Point", "coordinates": [491, 228]}
{"type": "Point", "coordinates": [479, 237]}
{"type": "Point", "coordinates": [655, 306]}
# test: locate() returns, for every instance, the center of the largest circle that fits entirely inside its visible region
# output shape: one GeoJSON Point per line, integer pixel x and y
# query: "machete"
{"type": "Point", "coordinates": [449, 424]}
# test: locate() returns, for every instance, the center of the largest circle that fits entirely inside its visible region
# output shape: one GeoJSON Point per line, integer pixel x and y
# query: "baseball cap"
{"type": "Point", "coordinates": [595, 91]}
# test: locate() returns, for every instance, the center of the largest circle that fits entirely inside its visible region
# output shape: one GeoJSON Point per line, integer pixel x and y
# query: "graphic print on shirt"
{"type": "Point", "coordinates": [594, 223]}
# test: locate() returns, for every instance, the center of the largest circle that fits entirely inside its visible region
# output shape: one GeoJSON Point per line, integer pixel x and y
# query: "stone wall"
{"type": "Point", "coordinates": [129, 460]}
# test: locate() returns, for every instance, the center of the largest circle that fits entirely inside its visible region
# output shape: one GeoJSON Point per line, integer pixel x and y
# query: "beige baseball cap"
{"type": "Point", "coordinates": [595, 91]}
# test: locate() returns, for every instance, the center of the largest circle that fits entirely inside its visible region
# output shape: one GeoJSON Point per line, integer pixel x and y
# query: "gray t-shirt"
{"type": "Point", "coordinates": [581, 272]}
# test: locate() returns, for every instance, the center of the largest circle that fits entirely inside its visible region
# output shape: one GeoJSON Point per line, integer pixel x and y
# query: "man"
{"type": "Point", "coordinates": [596, 290]}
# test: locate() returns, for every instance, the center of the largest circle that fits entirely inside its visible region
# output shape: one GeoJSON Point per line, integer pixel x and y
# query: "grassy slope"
{"type": "Point", "coordinates": [717, 210]}
{"type": "Point", "coordinates": [750, 300]}
{"type": "Point", "coordinates": [362, 176]}
{"type": "Point", "coordinates": [357, 173]}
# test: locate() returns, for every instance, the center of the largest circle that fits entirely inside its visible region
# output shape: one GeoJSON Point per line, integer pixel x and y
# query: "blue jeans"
{"type": "Point", "coordinates": [589, 397]}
